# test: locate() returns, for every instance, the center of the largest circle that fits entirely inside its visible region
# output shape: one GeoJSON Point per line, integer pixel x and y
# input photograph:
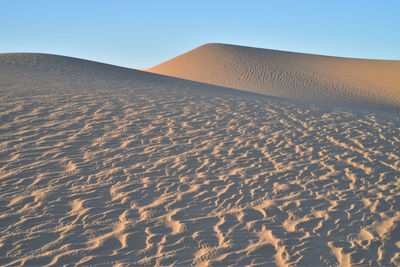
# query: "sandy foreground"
{"type": "Point", "coordinates": [107, 165]}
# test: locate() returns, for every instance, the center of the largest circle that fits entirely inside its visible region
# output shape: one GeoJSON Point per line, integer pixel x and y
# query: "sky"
{"type": "Point", "coordinates": [141, 34]}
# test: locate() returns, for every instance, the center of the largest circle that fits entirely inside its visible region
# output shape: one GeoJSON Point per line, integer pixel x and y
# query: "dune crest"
{"type": "Point", "coordinates": [297, 76]}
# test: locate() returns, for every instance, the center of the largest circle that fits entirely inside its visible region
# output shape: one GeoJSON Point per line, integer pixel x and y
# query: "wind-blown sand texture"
{"type": "Point", "coordinates": [106, 165]}
{"type": "Point", "coordinates": [290, 75]}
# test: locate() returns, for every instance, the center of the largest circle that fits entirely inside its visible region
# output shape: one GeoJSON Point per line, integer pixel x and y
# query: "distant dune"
{"type": "Point", "coordinates": [290, 75]}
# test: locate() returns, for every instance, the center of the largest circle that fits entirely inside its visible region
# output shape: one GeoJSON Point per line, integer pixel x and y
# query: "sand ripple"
{"type": "Point", "coordinates": [158, 175]}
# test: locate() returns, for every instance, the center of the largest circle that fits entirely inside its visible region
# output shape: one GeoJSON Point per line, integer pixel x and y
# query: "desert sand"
{"type": "Point", "coordinates": [107, 165]}
{"type": "Point", "coordinates": [296, 76]}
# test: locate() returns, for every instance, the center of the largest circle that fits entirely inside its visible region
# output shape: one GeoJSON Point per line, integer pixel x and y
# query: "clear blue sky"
{"type": "Point", "coordinates": [140, 34]}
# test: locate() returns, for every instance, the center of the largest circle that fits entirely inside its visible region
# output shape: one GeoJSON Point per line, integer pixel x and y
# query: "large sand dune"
{"type": "Point", "coordinates": [106, 165]}
{"type": "Point", "coordinates": [290, 75]}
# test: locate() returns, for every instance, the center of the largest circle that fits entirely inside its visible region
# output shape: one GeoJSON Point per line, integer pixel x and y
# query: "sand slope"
{"type": "Point", "coordinates": [105, 165]}
{"type": "Point", "coordinates": [290, 75]}
{"type": "Point", "coordinates": [65, 72]}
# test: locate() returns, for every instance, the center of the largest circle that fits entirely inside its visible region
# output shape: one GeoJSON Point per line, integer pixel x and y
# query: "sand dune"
{"type": "Point", "coordinates": [44, 68]}
{"type": "Point", "coordinates": [106, 165]}
{"type": "Point", "coordinates": [291, 75]}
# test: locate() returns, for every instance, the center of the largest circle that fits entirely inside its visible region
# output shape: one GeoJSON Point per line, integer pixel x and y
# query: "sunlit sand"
{"type": "Point", "coordinates": [108, 165]}
{"type": "Point", "coordinates": [311, 78]}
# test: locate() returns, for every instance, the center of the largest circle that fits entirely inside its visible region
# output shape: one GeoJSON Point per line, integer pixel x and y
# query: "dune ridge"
{"type": "Point", "coordinates": [101, 165]}
{"type": "Point", "coordinates": [48, 68]}
{"type": "Point", "coordinates": [297, 76]}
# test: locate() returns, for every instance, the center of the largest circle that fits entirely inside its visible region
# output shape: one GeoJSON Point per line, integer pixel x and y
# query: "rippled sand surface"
{"type": "Point", "coordinates": [297, 76]}
{"type": "Point", "coordinates": [108, 166]}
